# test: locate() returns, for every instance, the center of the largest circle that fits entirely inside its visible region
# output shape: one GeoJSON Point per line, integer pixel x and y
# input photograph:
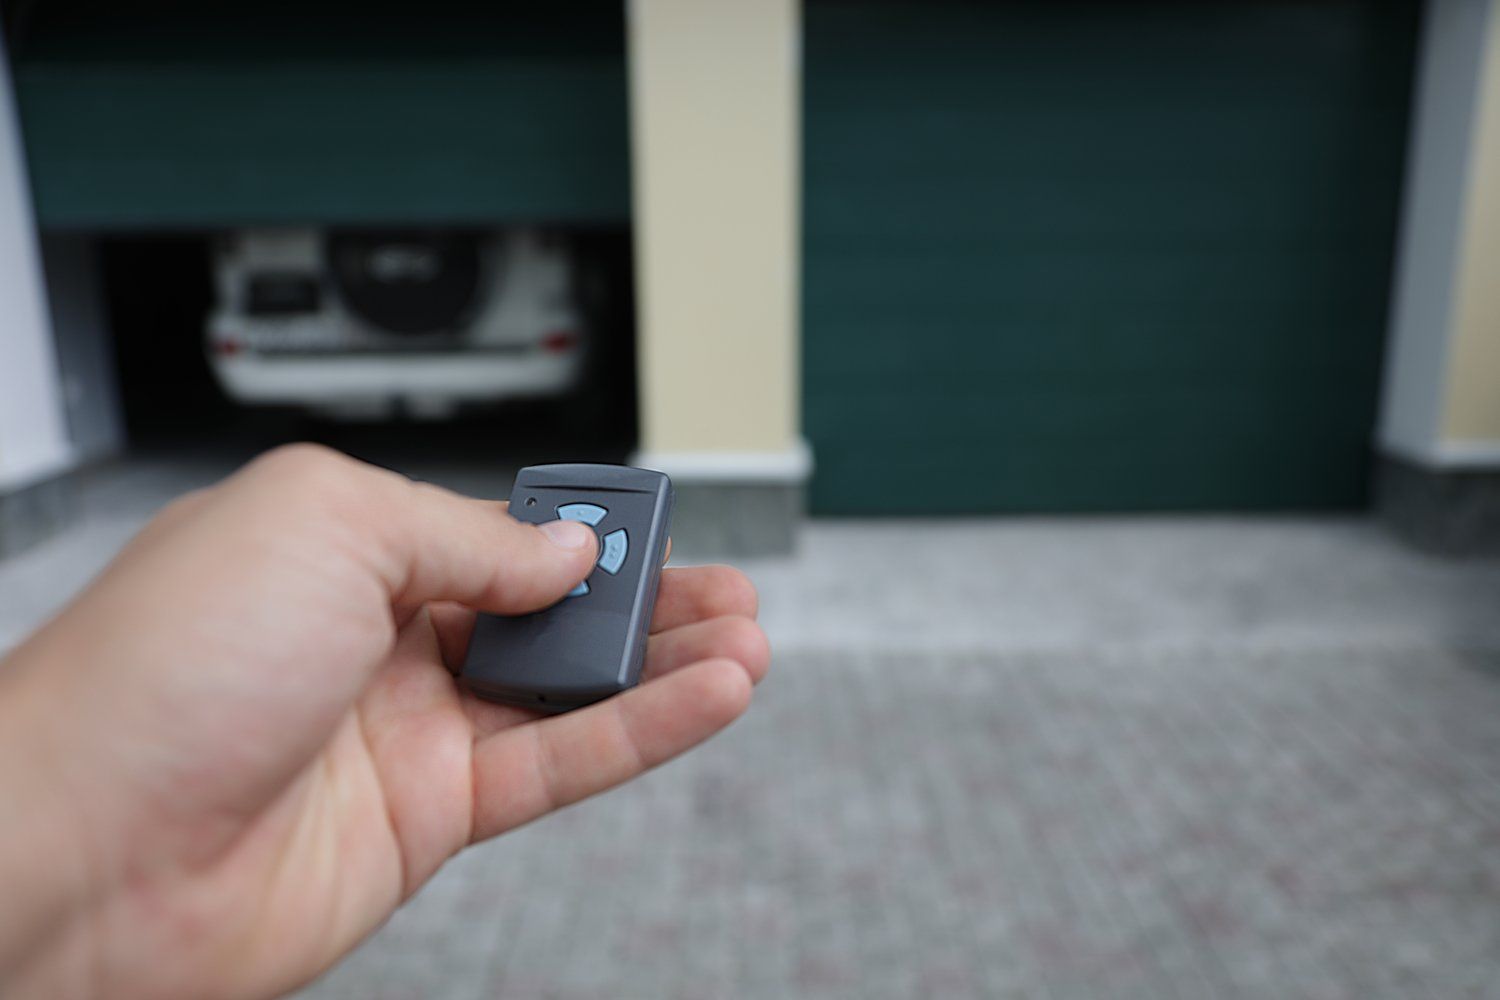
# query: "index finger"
{"type": "Point", "coordinates": [686, 595]}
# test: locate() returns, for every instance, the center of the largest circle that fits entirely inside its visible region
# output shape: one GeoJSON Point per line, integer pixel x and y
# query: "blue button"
{"type": "Point", "coordinates": [580, 590]}
{"type": "Point", "coordinates": [589, 513]}
{"type": "Point", "coordinates": [616, 544]}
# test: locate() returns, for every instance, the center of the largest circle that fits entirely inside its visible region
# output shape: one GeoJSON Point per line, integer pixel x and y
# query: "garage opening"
{"type": "Point", "coordinates": [381, 226]}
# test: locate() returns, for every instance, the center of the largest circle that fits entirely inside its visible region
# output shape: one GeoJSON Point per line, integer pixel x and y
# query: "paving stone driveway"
{"type": "Point", "coordinates": [1057, 758]}
{"type": "Point", "coordinates": [1184, 823]}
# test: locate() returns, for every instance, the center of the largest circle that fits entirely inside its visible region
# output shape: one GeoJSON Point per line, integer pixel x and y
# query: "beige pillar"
{"type": "Point", "coordinates": [715, 98]}
{"type": "Point", "coordinates": [714, 123]}
{"type": "Point", "coordinates": [1471, 410]}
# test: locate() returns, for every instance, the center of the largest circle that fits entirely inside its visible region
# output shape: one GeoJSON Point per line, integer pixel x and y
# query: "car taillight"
{"type": "Point", "coordinates": [559, 341]}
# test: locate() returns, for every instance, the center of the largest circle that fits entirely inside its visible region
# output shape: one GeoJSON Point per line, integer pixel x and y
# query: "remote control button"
{"type": "Point", "coordinates": [580, 590]}
{"type": "Point", "coordinates": [589, 513]}
{"type": "Point", "coordinates": [616, 544]}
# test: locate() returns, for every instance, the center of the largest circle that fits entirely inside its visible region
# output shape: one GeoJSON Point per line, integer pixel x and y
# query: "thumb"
{"type": "Point", "coordinates": [446, 547]}
{"type": "Point", "coordinates": [424, 543]}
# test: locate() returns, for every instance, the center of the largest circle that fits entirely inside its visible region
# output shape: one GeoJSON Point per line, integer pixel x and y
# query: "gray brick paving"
{"type": "Point", "coordinates": [1192, 823]}
{"type": "Point", "coordinates": [1136, 758]}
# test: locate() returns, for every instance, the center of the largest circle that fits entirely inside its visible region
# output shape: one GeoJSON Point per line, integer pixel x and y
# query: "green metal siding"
{"type": "Point", "coordinates": [161, 114]}
{"type": "Point", "coordinates": [1124, 256]}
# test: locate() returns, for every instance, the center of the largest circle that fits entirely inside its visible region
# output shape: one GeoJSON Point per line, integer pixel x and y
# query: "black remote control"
{"type": "Point", "coordinates": [592, 643]}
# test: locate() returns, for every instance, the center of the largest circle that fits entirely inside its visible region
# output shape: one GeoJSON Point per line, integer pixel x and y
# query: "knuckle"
{"type": "Point", "coordinates": [300, 462]}
{"type": "Point", "coordinates": [310, 479]}
{"type": "Point", "coordinates": [321, 491]}
{"type": "Point", "coordinates": [175, 513]}
{"type": "Point", "coordinates": [183, 506]}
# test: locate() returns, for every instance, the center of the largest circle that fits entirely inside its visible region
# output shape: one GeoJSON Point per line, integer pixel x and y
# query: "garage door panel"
{"type": "Point", "coordinates": [1038, 232]}
{"type": "Point", "coordinates": [164, 113]}
{"type": "Point", "coordinates": [1074, 278]}
{"type": "Point", "coordinates": [1018, 457]}
{"type": "Point", "coordinates": [1267, 202]}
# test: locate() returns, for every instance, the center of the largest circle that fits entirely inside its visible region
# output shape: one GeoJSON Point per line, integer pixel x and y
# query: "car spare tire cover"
{"type": "Point", "coordinates": [407, 281]}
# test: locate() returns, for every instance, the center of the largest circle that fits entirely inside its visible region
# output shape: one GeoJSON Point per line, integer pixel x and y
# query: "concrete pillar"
{"type": "Point", "coordinates": [34, 445]}
{"type": "Point", "coordinates": [715, 110]}
{"type": "Point", "coordinates": [1439, 432]}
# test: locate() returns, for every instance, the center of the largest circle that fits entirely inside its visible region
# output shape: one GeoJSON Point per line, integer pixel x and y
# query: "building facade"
{"type": "Point", "coordinates": [890, 258]}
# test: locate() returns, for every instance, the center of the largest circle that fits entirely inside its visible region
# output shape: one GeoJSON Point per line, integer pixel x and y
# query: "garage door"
{"type": "Point", "coordinates": [142, 114]}
{"type": "Point", "coordinates": [1118, 256]}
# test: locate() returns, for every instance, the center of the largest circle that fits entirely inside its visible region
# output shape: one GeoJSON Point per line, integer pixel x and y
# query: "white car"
{"type": "Point", "coordinates": [363, 324]}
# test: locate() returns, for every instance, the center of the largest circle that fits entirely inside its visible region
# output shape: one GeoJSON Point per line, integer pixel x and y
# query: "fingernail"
{"type": "Point", "coordinates": [568, 534]}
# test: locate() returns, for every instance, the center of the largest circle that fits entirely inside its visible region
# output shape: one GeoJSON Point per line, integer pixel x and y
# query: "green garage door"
{"type": "Point", "coordinates": [1109, 256]}
{"type": "Point", "coordinates": [142, 114]}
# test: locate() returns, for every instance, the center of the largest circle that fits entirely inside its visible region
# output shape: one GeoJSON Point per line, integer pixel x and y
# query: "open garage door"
{"type": "Point", "coordinates": [142, 114]}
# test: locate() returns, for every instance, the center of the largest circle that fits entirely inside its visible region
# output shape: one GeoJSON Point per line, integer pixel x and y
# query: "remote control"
{"type": "Point", "coordinates": [591, 644]}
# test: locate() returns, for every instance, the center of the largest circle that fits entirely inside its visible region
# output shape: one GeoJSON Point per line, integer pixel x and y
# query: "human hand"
{"type": "Point", "coordinates": [231, 757]}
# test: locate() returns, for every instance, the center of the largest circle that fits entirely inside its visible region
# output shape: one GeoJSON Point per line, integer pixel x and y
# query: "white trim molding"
{"type": "Point", "coordinates": [1450, 456]}
{"type": "Point", "coordinates": [792, 466]}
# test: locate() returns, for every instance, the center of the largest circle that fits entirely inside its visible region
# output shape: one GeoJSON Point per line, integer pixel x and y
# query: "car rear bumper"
{"type": "Point", "coordinates": [454, 377]}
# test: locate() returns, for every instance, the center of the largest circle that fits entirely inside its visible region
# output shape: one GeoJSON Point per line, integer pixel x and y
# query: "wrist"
{"type": "Point", "coordinates": [44, 872]}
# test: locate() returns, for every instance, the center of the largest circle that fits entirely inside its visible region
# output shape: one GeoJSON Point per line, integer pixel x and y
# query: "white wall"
{"type": "Point", "coordinates": [33, 429]}
{"type": "Point", "coordinates": [83, 345]}
{"type": "Point", "coordinates": [1442, 379]}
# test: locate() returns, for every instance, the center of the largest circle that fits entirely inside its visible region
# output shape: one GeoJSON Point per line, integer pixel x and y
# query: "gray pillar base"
{"type": "Point", "coordinates": [724, 520]}
{"type": "Point", "coordinates": [731, 504]}
{"type": "Point", "coordinates": [1443, 511]}
{"type": "Point", "coordinates": [34, 513]}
